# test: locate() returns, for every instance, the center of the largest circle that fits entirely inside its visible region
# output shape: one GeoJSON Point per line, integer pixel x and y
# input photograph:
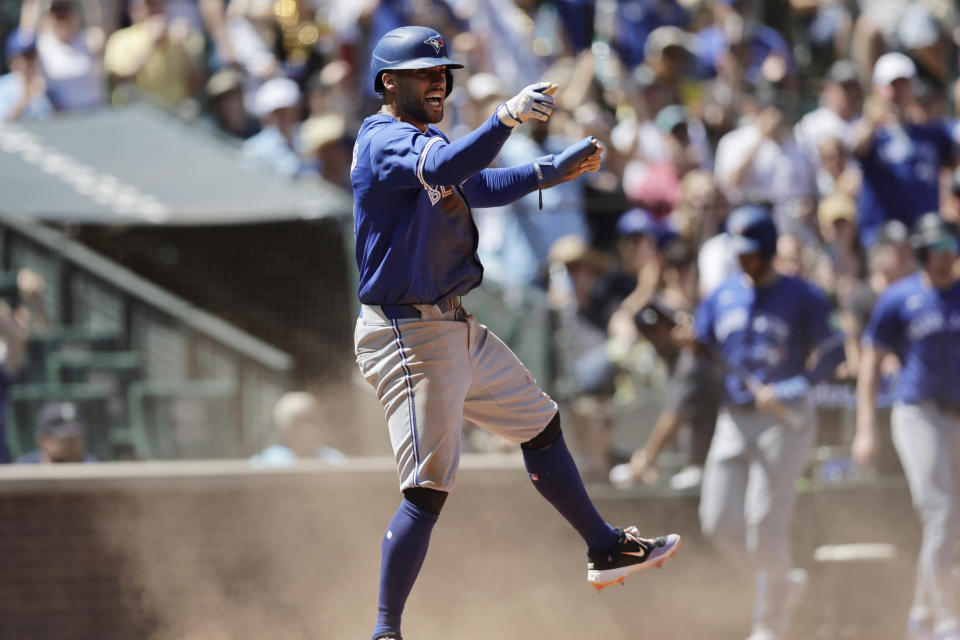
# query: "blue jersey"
{"type": "Point", "coordinates": [416, 239]}
{"type": "Point", "coordinates": [921, 325]}
{"type": "Point", "coordinates": [770, 335]}
{"type": "Point", "coordinates": [901, 174]}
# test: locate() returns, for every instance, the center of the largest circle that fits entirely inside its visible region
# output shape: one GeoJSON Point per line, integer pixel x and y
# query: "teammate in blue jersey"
{"type": "Point", "coordinates": [773, 334]}
{"type": "Point", "coordinates": [917, 319]}
{"type": "Point", "coordinates": [429, 361]}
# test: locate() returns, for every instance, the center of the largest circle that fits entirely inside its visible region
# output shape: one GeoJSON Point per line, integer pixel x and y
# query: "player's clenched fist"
{"type": "Point", "coordinates": [571, 163]}
{"type": "Point", "coordinates": [535, 101]}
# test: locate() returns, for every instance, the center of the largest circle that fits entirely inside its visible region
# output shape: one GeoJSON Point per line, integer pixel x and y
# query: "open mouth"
{"type": "Point", "coordinates": [434, 99]}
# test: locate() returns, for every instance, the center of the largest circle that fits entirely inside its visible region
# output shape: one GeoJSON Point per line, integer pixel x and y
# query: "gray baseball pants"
{"type": "Point", "coordinates": [748, 496]}
{"type": "Point", "coordinates": [928, 442]}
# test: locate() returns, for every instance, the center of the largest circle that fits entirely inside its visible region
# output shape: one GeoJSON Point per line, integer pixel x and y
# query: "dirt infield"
{"type": "Point", "coordinates": [220, 552]}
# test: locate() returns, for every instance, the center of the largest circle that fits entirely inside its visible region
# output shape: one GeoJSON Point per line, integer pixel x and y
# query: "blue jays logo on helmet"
{"type": "Point", "coordinates": [410, 48]}
{"type": "Point", "coordinates": [436, 42]}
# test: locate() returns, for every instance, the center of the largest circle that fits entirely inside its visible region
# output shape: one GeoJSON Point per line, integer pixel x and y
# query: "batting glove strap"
{"type": "Point", "coordinates": [507, 118]}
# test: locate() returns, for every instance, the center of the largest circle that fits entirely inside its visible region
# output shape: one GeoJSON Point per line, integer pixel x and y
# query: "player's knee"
{"type": "Point", "coordinates": [550, 434]}
{"type": "Point", "coordinates": [427, 499]}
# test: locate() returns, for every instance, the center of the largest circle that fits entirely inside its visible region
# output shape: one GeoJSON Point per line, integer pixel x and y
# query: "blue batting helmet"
{"type": "Point", "coordinates": [410, 48]}
{"type": "Point", "coordinates": [751, 230]}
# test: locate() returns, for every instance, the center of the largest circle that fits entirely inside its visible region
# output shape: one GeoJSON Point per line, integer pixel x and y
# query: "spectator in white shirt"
{"type": "Point", "coordinates": [72, 59]}
{"type": "Point", "coordinates": [840, 102]}
{"type": "Point", "coordinates": [762, 157]}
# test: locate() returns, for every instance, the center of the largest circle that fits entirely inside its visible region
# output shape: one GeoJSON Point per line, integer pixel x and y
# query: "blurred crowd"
{"type": "Point", "coordinates": [840, 115]}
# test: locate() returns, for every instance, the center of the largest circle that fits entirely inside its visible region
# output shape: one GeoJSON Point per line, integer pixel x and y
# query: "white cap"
{"type": "Point", "coordinates": [481, 86]}
{"type": "Point", "coordinates": [891, 66]}
{"type": "Point", "coordinates": [276, 93]}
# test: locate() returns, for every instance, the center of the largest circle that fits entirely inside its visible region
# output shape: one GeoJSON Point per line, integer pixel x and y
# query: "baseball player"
{"type": "Point", "coordinates": [917, 319]}
{"type": "Point", "coordinates": [773, 334]}
{"type": "Point", "coordinates": [429, 360]}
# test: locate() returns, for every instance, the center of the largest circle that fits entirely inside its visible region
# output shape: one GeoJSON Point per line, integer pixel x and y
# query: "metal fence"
{"type": "Point", "coordinates": [203, 387]}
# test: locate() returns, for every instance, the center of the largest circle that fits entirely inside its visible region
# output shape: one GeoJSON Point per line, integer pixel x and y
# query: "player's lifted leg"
{"type": "Point", "coordinates": [612, 554]}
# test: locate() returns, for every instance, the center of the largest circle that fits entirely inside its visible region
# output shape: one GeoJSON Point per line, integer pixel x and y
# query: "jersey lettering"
{"type": "Point", "coordinates": [730, 322]}
{"type": "Point", "coordinates": [926, 324]}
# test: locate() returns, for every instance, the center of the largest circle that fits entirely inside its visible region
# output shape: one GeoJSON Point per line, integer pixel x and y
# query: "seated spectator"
{"type": "Point", "coordinates": [837, 216]}
{"type": "Point", "coordinates": [225, 96]}
{"type": "Point", "coordinates": [900, 158]}
{"type": "Point", "coordinates": [326, 148]}
{"type": "Point", "coordinates": [277, 105]}
{"type": "Point", "coordinates": [838, 173]}
{"type": "Point", "coordinates": [298, 429]}
{"type": "Point", "coordinates": [23, 91]}
{"type": "Point", "coordinates": [61, 436]}
{"type": "Point", "coordinates": [161, 57]}
{"type": "Point", "coordinates": [72, 59]}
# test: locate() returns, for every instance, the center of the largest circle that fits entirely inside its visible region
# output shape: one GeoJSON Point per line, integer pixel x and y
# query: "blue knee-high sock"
{"type": "Point", "coordinates": [555, 476]}
{"type": "Point", "coordinates": [401, 555]}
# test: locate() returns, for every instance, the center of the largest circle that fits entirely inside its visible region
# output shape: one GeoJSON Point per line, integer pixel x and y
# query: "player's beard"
{"type": "Point", "coordinates": [415, 107]}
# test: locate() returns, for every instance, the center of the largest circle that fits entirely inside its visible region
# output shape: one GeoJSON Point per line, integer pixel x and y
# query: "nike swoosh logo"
{"type": "Point", "coordinates": [638, 554]}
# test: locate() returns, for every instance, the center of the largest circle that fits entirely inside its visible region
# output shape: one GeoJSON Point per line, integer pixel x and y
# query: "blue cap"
{"type": "Point", "coordinates": [751, 229]}
{"type": "Point", "coordinates": [59, 420]}
{"type": "Point", "coordinates": [19, 42]}
{"type": "Point", "coordinates": [637, 221]}
{"type": "Point", "coordinates": [641, 221]}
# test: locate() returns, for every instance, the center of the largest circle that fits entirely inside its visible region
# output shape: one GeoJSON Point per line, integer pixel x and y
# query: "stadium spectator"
{"type": "Point", "coordinates": [790, 259]}
{"type": "Point", "coordinates": [685, 139]}
{"type": "Point", "coordinates": [737, 39]}
{"type": "Point", "coordinates": [326, 148]}
{"type": "Point", "coordinates": [840, 102]}
{"type": "Point", "coordinates": [160, 56]}
{"type": "Point", "coordinates": [763, 157]}
{"type": "Point", "coordinates": [585, 370]}
{"type": "Point", "coordinates": [669, 53]}
{"type": "Point", "coordinates": [900, 158]}
{"type": "Point", "coordinates": [61, 436]}
{"type": "Point", "coordinates": [277, 105]}
{"type": "Point", "coordinates": [72, 58]}
{"type": "Point", "coordinates": [837, 217]}
{"type": "Point", "coordinates": [251, 30]}
{"type": "Point", "coordinates": [23, 91]}
{"type": "Point", "coordinates": [299, 426]}
{"type": "Point", "coordinates": [225, 97]}
{"type": "Point", "coordinates": [634, 21]}
{"type": "Point", "coordinates": [905, 25]}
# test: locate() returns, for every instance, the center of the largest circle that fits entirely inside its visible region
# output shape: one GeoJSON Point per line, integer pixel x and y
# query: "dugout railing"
{"type": "Point", "coordinates": [97, 306]}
